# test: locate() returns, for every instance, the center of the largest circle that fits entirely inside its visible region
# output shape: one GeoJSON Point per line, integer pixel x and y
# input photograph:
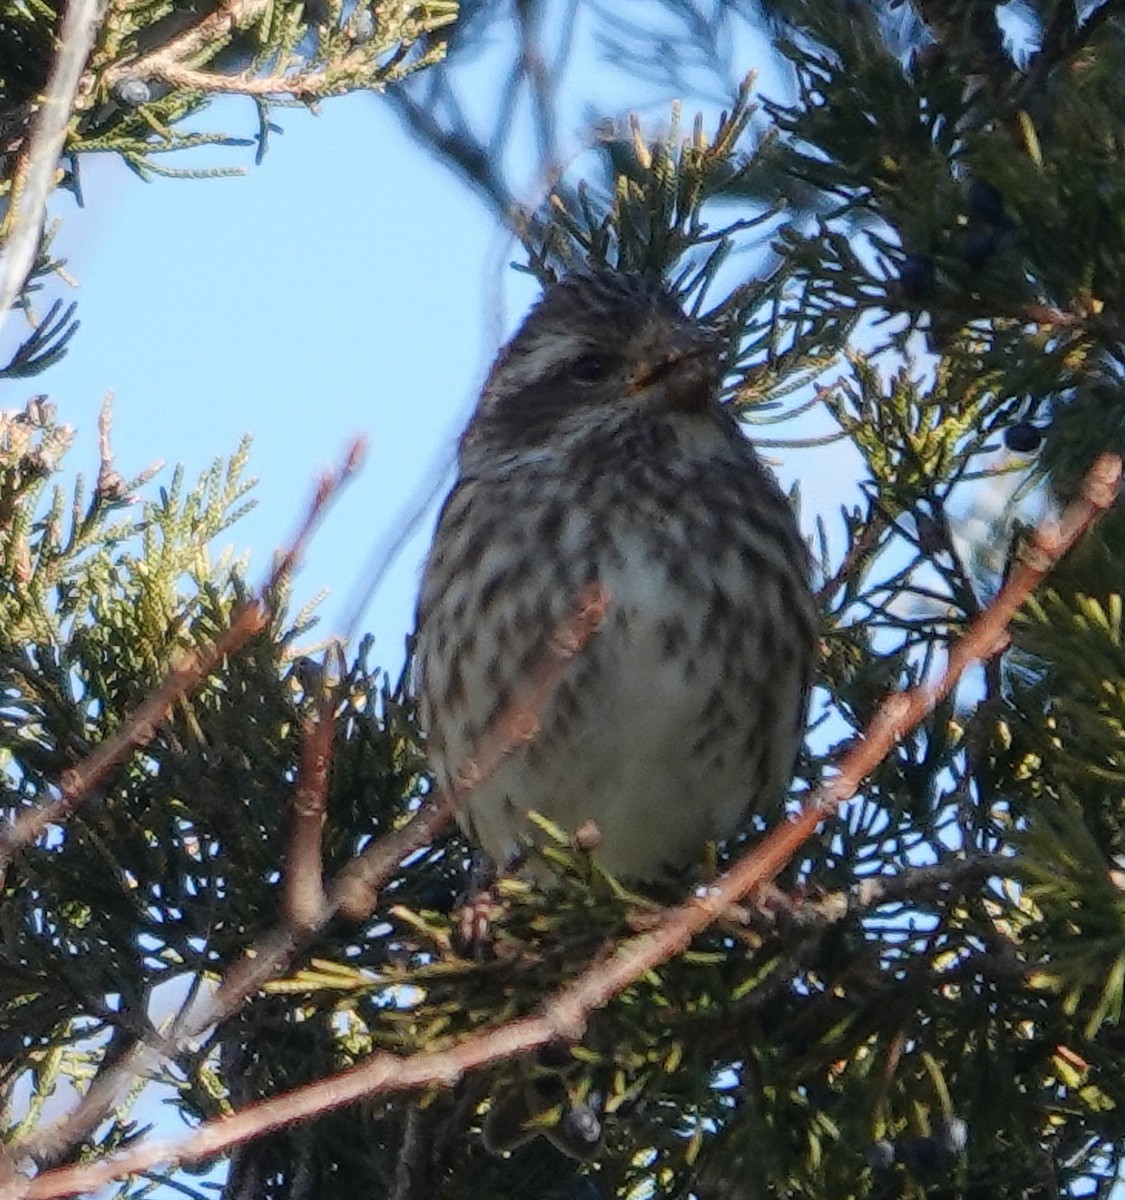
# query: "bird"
{"type": "Point", "coordinates": [600, 453]}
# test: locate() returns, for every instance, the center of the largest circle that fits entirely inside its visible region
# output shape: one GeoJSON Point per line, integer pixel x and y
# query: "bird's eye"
{"type": "Point", "coordinates": [591, 368]}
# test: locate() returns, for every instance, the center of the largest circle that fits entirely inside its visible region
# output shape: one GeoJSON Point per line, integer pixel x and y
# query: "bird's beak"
{"type": "Point", "coordinates": [679, 371]}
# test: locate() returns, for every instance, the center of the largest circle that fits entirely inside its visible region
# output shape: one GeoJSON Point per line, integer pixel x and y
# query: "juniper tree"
{"type": "Point", "coordinates": [921, 244]}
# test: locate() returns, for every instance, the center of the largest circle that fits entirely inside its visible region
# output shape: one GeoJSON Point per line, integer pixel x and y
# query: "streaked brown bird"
{"type": "Point", "coordinates": [599, 452]}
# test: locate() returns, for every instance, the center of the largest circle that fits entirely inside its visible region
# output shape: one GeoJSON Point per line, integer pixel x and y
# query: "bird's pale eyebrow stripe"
{"type": "Point", "coordinates": [540, 358]}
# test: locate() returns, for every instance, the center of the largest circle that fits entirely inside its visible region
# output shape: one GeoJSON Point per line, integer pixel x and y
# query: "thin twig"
{"type": "Point", "coordinates": [110, 486]}
{"type": "Point", "coordinates": [813, 913]}
{"type": "Point", "coordinates": [304, 898]}
{"type": "Point", "coordinates": [298, 84]}
{"type": "Point", "coordinates": [328, 488]}
{"type": "Point", "coordinates": [35, 175]}
{"type": "Point", "coordinates": [565, 1014]}
{"type": "Point", "coordinates": [985, 637]}
{"type": "Point", "coordinates": [854, 559]}
{"type": "Point", "coordinates": [541, 81]}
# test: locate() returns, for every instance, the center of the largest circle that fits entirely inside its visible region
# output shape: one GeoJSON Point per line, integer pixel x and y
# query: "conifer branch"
{"type": "Point", "coordinates": [217, 27]}
{"type": "Point", "coordinates": [170, 63]}
{"type": "Point", "coordinates": [77, 784]}
{"type": "Point", "coordinates": [1064, 39]}
{"type": "Point", "coordinates": [986, 637]}
{"type": "Point", "coordinates": [855, 559]}
{"type": "Point", "coordinates": [565, 1014]}
{"type": "Point", "coordinates": [250, 618]}
{"type": "Point", "coordinates": [356, 887]}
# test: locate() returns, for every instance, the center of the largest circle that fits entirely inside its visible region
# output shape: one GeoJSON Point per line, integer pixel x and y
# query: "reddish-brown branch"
{"type": "Point", "coordinates": [304, 882]}
{"type": "Point", "coordinates": [565, 1014]}
{"type": "Point", "coordinates": [327, 489]}
{"type": "Point", "coordinates": [986, 636]}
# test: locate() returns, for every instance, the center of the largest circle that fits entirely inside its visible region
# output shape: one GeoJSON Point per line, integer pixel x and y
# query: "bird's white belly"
{"type": "Point", "coordinates": [618, 747]}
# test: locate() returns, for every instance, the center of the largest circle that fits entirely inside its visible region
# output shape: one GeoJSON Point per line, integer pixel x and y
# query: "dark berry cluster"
{"type": "Point", "coordinates": [921, 1156]}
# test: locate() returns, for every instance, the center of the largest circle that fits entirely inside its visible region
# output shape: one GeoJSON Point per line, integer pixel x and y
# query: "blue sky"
{"type": "Point", "coordinates": [335, 290]}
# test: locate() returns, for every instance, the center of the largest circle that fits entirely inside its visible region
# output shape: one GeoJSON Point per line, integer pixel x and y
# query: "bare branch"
{"type": "Point", "coordinates": [35, 175]}
{"type": "Point", "coordinates": [328, 488]}
{"type": "Point", "coordinates": [298, 85]}
{"type": "Point", "coordinates": [304, 898]}
{"type": "Point", "coordinates": [813, 913]}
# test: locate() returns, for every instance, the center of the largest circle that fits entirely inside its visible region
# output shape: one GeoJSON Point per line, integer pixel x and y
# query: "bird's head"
{"type": "Point", "coordinates": [597, 348]}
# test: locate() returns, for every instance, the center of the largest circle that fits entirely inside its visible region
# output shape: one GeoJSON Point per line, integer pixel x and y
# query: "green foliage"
{"type": "Point", "coordinates": [170, 867]}
{"type": "Point", "coordinates": [187, 53]}
{"type": "Point", "coordinates": [922, 248]}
